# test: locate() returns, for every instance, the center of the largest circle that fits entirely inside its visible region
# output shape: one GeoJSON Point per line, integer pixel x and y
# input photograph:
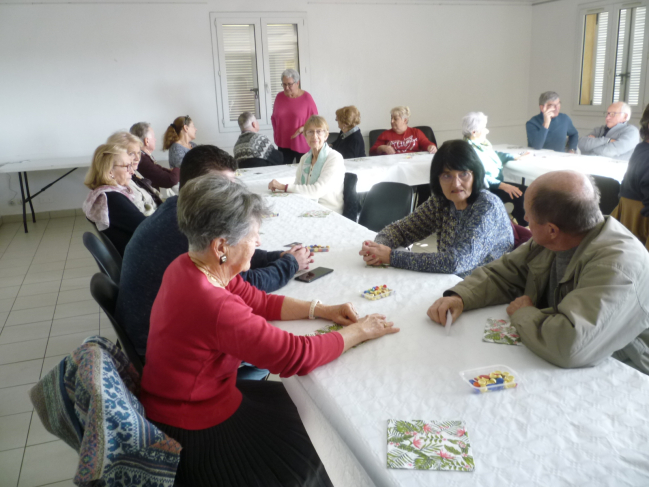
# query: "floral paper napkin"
{"type": "Point", "coordinates": [429, 445]}
{"type": "Point", "coordinates": [316, 213]}
{"type": "Point", "coordinates": [501, 331]}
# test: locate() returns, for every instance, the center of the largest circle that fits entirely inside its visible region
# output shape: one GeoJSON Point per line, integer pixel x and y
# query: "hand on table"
{"type": "Point", "coordinates": [298, 132]}
{"type": "Point", "coordinates": [302, 254]}
{"type": "Point", "coordinates": [521, 155]}
{"type": "Point", "coordinates": [437, 312]}
{"type": "Point", "coordinates": [275, 185]}
{"type": "Point", "coordinates": [572, 151]}
{"type": "Point", "coordinates": [518, 303]}
{"type": "Point", "coordinates": [341, 314]}
{"type": "Point", "coordinates": [512, 191]}
{"type": "Point", "coordinates": [374, 253]}
{"type": "Point", "coordinates": [385, 149]}
{"type": "Point", "coordinates": [432, 148]}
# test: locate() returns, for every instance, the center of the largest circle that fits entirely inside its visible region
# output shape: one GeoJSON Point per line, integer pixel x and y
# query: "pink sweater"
{"type": "Point", "coordinates": [200, 333]}
{"type": "Point", "coordinates": [289, 114]}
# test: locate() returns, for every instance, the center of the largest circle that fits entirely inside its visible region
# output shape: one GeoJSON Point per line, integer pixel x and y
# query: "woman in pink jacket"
{"type": "Point", "coordinates": [292, 109]}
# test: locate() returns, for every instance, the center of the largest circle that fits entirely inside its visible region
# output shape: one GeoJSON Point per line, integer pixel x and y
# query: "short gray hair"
{"type": "Point", "coordinates": [548, 96]}
{"type": "Point", "coordinates": [212, 206]}
{"type": "Point", "coordinates": [245, 120]}
{"type": "Point", "coordinates": [574, 212]}
{"type": "Point", "coordinates": [141, 130]}
{"type": "Point", "coordinates": [626, 109]}
{"type": "Point", "coordinates": [472, 122]}
{"type": "Point", "coordinates": [291, 73]}
{"type": "Point", "coordinates": [402, 112]}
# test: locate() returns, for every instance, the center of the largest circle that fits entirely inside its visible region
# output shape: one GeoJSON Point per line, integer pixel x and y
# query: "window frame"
{"type": "Point", "coordinates": [260, 20]}
{"type": "Point", "coordinates": [613, 8]}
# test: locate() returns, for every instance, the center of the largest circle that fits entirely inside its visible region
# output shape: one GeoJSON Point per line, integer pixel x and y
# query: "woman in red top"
{"type": "Point", "coordinates": [401, 138]}
{"type": "Point", "coordinates": [205, 321]}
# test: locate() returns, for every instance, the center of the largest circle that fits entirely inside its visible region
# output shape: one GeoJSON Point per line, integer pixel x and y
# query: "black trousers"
{"type": "Point", "coordinates": [290, 155]}
{"type": "Point", "coordinates": [519, 210]}
{"type": "Point", "coordinates": [263, 444]}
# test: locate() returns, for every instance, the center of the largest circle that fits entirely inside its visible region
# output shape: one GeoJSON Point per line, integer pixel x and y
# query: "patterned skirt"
{"type": "Point", "coordinates": [627, 212]}
{"type": "Point", "coordinates": [263, 444]}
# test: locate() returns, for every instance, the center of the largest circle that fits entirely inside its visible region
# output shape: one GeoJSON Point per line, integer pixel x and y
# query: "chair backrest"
{"type": "Point", "coordinates": [106, 255]}
{"type": "Point", "coordinates": [384, 204]}
{"type": "Point", "coordinates": [374, 135]}
{"type": "Point", "coordinates": [105, 292]}
{"type": "Point", "coordinates": [351, 202]}
{"type": "Point", "coordinates": [254, 162]}
{"type": "Point", "coordinates": [610, 193]}
{"type": "Point", "coordinates": [428, 132]}
{"type": "Point", "coordinates": [333, 137]}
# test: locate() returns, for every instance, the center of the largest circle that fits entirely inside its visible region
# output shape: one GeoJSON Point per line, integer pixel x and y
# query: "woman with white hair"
{"type": "Point", "coordinates": [474, 130]}
{"type": "Point", "coordinates": [401, 138]}
{"type": "Point", "coordinates": [292, 109]}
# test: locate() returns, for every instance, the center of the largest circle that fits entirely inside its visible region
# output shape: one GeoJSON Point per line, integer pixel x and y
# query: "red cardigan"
{"type": "Point", "coordinates": [412, 140]}
{"type": "Point", "coordinates": [200, 334]}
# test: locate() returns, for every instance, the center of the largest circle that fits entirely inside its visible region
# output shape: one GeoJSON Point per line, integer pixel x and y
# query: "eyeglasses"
{"type": "Point", "coordinates": [288, 85]}
{"type": "Point", "coordinates": [127, 166]}
{"type": "Point", "coordinates": [612, 114]}
{"type": "Point", "coordinates": [447, 177]}
{"type": "Point", "coordinates": [311, 133]}
{"type": "Point", "coordinates": [133, 154]}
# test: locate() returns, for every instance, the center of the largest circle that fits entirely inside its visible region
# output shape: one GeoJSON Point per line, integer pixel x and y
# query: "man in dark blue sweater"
{"type": "Point", "coordinates": [158, 242]}
{"type": "Point", "coordinates": [549, 129]}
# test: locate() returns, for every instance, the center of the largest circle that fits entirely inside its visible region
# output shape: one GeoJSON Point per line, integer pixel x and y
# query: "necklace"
{"type": "Point", "coordinates": [213, 280]}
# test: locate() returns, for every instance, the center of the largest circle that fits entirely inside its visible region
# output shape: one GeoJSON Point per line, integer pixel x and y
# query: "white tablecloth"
{"type": "Point", "coordinates": [560, 427]}
{"type": "Point", "coordinates": [410, 169]}
{"type": "Point", "coordinates": [539, 162]}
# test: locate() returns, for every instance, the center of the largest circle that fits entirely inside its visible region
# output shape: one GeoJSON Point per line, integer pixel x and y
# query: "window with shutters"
{"type": "Point", "coordinates": [613, 53]}
{"type": "Point", "coordinates": [250, 54]}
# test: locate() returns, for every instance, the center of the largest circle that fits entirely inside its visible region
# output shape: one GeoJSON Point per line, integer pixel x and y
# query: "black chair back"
{"type": "Point", "coordinates": [105, 254]}
{"type": "Point", "coordinates": [385, 204]}
{"type": "Point", "coordinates": [428, 132]}
{"type": "Point", "coordinates": [105, 292]}
{"type": "Point", "coordinates": [351, 202]}
{"type": "Point", "coordinates": [253, 162]}
{"type": "Point", "coordinates": [333, 137]}
{"type": "Point", "coordinates": [610, 193]}
{"type": "Point", "coordinates": [374, 135]}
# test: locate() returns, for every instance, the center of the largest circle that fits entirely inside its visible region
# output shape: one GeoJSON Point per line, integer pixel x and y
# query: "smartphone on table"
{"type": "Point", "coordinates": [316, 273]}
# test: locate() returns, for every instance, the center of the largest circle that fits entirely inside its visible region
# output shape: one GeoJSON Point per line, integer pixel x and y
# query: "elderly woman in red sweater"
{"type": "Point", "coordinates": [205, 321]}
{"type": "Point", "coordinates": [401, 138]}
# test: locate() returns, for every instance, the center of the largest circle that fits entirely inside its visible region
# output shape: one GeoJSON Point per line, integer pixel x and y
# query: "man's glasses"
{"type": "Point", "coordinates": [612, 114]}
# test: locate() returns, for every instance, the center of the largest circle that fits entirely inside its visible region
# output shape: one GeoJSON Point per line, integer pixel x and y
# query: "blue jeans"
{"type": "Point", "coordinates": [250, 372]}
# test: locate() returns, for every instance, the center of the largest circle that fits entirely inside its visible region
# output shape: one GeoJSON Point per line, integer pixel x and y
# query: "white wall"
{"type": "Point", "coordinates": [74, 73]}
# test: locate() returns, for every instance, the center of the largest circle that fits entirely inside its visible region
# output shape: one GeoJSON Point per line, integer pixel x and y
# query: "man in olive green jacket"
{"type": "Point", "coordinates": [578, 292]}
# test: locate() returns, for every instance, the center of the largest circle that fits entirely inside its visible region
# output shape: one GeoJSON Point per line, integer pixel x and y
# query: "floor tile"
{"type": "Point", "coordinates": [76, 283]}
{"type": "Point", "coordinates": [22, 351]}
{"type": "Point", "coordinates": [80, 308]}
{"type": "Point", "coordinates": [76, 324]}
{"type": "Point", "coordinates": [15, 399]}
{"type": "Point", "coordinates": [40, 288]}
{"type": "Point", "coordinates": [28, 302]}
{"type": "Point", "coordinates": [30, 331]}
{"type": "Point", "coordinates": [73, 296]}
{"type": "Point", "coordinates": [65, 483]}
{"type": "Point", "coordinates": [76, 263]}
{"type": "Point", "coordinates": [14, 430]}
{"type": "Point", "coordinates": [6, 304]}
{"type": "Point", "coordinates": [36, 277]}
{"type": "Point", "coordinates": [30, 315]}
{"type": "Point", "coordinates": [37, 432]}
{"type": "Point", "coordinates": [10, 463]}
{"type": "Point", "coordinates": [3, 318]}
{"type": "Point", "coordinates": [50, 362]}
{"type": "Point", "coordinates": [9, 292]}
{"type": "Point", "coordinates": [13, 271]}
{"type": "Point", "coordinates": [11, 281]}
{"type": "Point", "coordinates": [67, 343]}
{"type": "Point", "coordinates": [49, 257]}
{"type": "Point", "coordinates": [87, 271]}
{"type": "Point", "coordinates": [58, 265]}
{"type": "Point", "coordinates": [48, 463]}
{"type": "Point", "coordinates": [20, 373]}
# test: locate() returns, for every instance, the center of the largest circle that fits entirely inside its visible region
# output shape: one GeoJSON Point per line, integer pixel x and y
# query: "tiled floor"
{"type": "Point", "coordinates": [45, 312]}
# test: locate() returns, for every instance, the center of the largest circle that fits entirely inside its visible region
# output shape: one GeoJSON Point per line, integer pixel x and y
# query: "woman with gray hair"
{"type": "Point", "coordinates": [401, 138]}
{"type": "Point", "coordinates": [474, 130]}
{"type": "Point", "coordinates": [291, 110]}
{"type": "Point", "coordinates": [205, 321]}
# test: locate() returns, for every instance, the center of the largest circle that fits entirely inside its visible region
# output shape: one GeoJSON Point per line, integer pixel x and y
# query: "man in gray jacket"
{"type": "Point", "coordinates": [616, 139]}
{"type": "Point", "coordinates": [578, 292]}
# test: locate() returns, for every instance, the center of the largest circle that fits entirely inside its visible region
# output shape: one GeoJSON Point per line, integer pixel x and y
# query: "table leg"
{"type": "Point", "coordinates": [29, 198]}
{"type": "Point", "coordinates": [22, 199]}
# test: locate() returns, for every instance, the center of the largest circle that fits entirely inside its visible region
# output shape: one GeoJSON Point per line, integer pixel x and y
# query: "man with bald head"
{"type": "Point", "coordinates": [616, 138]}
{"type": "Point", "coordinates": [578, 292]}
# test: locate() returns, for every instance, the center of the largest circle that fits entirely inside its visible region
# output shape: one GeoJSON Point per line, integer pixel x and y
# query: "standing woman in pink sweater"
{"type": "Point", "coordinates": [292, 109]}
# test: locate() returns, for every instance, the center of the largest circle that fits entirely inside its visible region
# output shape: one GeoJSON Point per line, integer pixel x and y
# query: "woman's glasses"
{"type": "Point", "coordinates": [127, 166]}
{"type": "Point", "coordinates": [447, 177]}
{"type": "Point", "coordinates": [288, 85]}
{"type": "Point", "coordinates": [311, 133]}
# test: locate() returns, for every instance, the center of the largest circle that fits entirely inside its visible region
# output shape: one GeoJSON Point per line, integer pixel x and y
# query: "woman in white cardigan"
{"type": "Point", "coordinates": [321, 171]}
